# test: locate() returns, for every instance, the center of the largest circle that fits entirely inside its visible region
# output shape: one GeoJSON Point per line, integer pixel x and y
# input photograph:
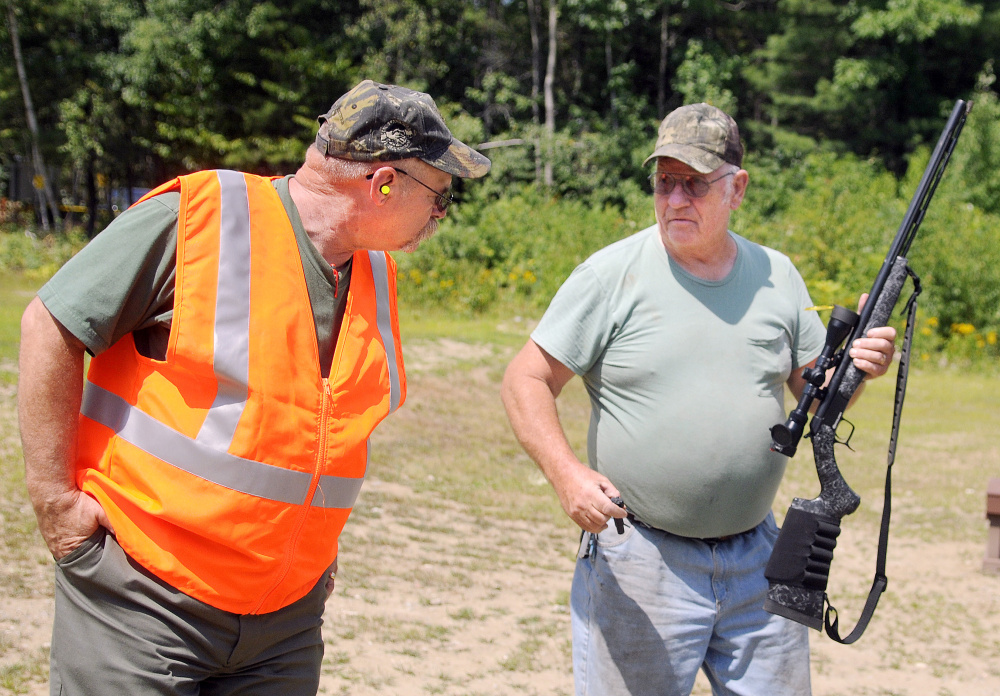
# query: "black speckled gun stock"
{"type": "Point", "coordinates": [800, 563]}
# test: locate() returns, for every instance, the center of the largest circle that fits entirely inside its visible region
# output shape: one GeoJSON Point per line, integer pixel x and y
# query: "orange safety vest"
{"type": "Point", "coordinates": [229, 468]}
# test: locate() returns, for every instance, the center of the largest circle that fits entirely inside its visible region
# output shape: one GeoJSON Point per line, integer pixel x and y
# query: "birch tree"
{"type": "Point", "coordinates": [550, 99]}
{"type": "Point", "coordinates": [48, 208]}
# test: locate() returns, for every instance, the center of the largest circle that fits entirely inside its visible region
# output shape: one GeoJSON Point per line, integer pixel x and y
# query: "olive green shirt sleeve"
{"type": "Point", "coordinates": [123, 280]}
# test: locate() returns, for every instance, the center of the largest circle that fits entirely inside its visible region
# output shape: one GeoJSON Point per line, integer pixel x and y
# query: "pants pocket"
{"type": "Point", "coordinates": [77, 555]}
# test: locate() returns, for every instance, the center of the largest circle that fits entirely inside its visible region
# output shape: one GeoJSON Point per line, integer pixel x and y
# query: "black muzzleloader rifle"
{"type": "Point", "coordinates": [799, 567]}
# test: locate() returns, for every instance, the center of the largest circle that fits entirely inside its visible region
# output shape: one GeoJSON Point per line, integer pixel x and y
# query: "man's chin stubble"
{"type": "Point", "coordinates": [426, 233]}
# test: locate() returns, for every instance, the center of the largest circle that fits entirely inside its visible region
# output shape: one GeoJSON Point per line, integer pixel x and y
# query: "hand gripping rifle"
{"type": "Point", "coordinates": [799, 567]}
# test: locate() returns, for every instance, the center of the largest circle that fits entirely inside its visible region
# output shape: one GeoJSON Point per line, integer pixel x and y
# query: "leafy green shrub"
{"type": "Point", "coordinates": [835, 220]}
{"type": "Point", "coordinates": [976, 161]}
{"type": "Point", "coordinates": [834, 215]}
{"type": "Point", "coordinates": [22, 252]}
{"type": "Point", "coordinates": [517, 250]}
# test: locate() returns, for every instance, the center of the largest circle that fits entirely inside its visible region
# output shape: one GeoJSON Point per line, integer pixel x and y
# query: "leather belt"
{"type": "Point", "coordinates": [708, 540]}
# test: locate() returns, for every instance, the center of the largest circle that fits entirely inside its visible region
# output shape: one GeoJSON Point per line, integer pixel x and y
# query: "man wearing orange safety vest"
{"type": "Point", "coordinates": [245, 344]}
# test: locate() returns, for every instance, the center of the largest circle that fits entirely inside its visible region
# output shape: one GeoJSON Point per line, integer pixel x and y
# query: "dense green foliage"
{"type": "Point", "coordinates": [838, 101]}
{"type": "Point", "coordinates": [834, 215]}
{"type": "Point", "coordinates": [33, 257]}
{"type": "Point", "coordinates": [129, 93]}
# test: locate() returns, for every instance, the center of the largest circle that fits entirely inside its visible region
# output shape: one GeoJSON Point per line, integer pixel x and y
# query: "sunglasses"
{"type": "Point", "coordinates": [663, 183]}
{"type": "Point", "coordinates": [441, 200]}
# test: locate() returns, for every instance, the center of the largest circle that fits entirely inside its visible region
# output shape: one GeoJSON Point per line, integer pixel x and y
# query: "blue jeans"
{"type": "Point", "coordinates": [649, 609]}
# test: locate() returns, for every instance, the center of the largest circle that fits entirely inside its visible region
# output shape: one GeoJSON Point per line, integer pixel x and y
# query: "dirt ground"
{"type": "Point", "coordinates": [501, 624]}
{"type": "Point", "coordinates": [468, 606]}
{"type": "Point", "coordinates": [434, 597]}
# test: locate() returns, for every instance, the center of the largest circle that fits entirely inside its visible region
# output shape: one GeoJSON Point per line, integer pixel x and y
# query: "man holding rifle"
{"type": "Point", "coordinates": [685, 335]}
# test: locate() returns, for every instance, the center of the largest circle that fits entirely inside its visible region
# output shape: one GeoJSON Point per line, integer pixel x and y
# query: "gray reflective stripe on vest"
{"type": "Point", "coordinates": [336, 483]}
{"type": "Point", "coordinates": [219, 467]}
{"type": "Point", "coordinates": [231, 352]}
{"type": "Point", "coordinates": [380, 272]}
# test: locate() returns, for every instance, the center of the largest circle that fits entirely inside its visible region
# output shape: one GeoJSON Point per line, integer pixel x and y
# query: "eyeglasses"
{"type": "Point", "coordinates": [663, 183]}
{"type": "Point", "coordinates": [441, 200]}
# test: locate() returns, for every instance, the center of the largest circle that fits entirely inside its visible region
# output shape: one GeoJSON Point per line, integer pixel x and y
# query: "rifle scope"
{"type": "Point", "coordinates": [785, 436]}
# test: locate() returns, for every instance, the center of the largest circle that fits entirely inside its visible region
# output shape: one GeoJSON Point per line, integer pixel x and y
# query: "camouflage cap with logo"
{"type": "Point", "coordinates": [701, 136]}
{"type": "Point", "coordinates": [382, 123]}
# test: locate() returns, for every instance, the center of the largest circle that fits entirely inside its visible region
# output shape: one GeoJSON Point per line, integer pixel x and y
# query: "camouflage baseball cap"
{"type": "Point", "coordinates": [383, 123]}
{"type": "Point", "coordinates": [701, 136]}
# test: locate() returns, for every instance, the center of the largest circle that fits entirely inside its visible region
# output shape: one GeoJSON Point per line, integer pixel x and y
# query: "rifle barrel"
{"type": "Point", "coordinates": [832, 408]}
{"type": "Point", "coordinates": [930, 179]}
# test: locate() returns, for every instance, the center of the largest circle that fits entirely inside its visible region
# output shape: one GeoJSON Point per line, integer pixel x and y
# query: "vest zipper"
{"type": "Point", "coordinates": [286, 564]}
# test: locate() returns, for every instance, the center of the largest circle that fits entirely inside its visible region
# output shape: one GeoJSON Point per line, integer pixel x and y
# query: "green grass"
{"type": "Point", "coordinates": [498, 327]}
{"type": "Point", "coordinates": [946, 454]}
{"type": "Point", "coordinates": [17, 677]}
{"type": "Point", "coordinates": [19, 542]}
{"type": "Point", "coordinates": [16, 292]}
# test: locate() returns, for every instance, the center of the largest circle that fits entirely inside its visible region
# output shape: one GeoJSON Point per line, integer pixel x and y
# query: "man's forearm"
{"type": "Point", "coordinates": [529, 392]}
{"type": "Point", "coordinates": [531, 408]}
{"type": "Point", "coordinates": [49, 391]}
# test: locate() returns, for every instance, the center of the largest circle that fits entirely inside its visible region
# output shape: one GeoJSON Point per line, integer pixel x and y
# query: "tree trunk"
{"type": "Point", "coordinates": [91, 184]}
{"type": "Point", "coordinates": [661, 83]}
{"type": "Point", "coordinates": [550, 102]}
{"type": "Point", "coordinates": [68, 220]}
{"type": "Point", "coordinates": [29, 108]}
{"type": "Point", "coordinates": [536, 84]}
{"type": "Point", "coordinates": [609, 66]}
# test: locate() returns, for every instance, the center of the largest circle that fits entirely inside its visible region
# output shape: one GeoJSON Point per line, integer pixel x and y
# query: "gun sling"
{"type": "Point", "coordinates": [881, 581]}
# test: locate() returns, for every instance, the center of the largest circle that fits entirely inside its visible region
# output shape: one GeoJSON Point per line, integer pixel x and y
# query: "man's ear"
{"type": "Point", "coordinates": [740, 181]}
{"type": "Point", "coordinates": [382, 181]}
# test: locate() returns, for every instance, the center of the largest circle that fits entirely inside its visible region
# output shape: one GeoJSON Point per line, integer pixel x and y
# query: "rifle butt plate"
{"type": "Point", "coordinates": [797, 604]}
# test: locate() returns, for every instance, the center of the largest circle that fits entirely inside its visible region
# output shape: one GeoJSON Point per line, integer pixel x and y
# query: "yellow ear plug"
{"type": "Point", "coordinates": [385, 189]}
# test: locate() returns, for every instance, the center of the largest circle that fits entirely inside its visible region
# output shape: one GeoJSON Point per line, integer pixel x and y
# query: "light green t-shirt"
{"type": "Point", "coordinates": [123, 280]}
{"type": "Point", "coordinates": [685, 377]}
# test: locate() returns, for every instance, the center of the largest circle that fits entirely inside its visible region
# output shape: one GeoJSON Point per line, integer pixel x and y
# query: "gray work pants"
{"type": "Point", "coordinates": [120, 630]}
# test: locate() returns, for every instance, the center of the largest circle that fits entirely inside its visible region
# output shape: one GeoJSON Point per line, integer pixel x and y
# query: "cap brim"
{"type": "Point", "coordinates": [698, 159]}
{"type": "Point", "coordinates": [461, 160]}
